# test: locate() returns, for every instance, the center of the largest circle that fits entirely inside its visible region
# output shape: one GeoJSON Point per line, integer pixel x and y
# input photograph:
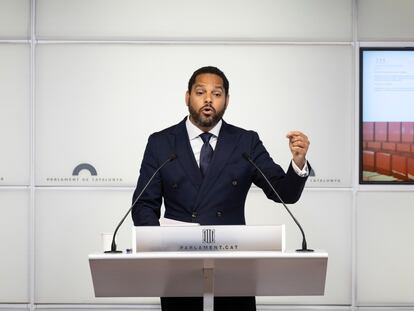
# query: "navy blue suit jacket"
{"type": "Point", "coordinates": [219, 197]}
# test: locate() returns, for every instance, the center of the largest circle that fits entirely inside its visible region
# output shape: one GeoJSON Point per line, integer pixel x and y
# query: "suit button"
{"type": "Point", "coordinates": [234, 183]}
{"type": "Point", "coordinates": [194, 215]}
{"type": "Point", "coordinates": [174, 185]}
{"type": "Point", "coordinates": [219, 214]}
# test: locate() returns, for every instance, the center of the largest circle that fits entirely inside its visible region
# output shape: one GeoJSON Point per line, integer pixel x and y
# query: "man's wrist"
{"type": "Point", "coordinates": [304, 172]}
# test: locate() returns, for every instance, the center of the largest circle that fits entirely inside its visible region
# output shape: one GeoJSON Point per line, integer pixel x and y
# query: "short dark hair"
{"type": "Point", "coordinates": [209, 69]}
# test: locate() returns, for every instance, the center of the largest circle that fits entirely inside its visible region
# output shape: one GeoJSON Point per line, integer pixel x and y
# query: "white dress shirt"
{"type": "Point", "coordinates": [196, 143]}
{"type": "Point", "coordinates": [195, 140]}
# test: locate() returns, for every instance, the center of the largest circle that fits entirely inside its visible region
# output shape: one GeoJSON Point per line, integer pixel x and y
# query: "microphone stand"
{"type": "Point", "coordinates": [304, 243]}
{"type": "Point", "coordinates": [113, 245]}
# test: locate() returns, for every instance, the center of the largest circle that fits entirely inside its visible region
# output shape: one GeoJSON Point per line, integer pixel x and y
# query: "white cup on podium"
{"type": "Point", "coordinates": [106, 238]}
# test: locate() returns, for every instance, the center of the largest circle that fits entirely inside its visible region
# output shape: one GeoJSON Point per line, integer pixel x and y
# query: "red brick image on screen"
{"type": "Point", "coordinates": [388, 146]}
{"type": "Point", "coordinates": [394, 132]}
{"type": "Point", "coordinates": [399, 167]}
{"type": "Point", "coordinates": [388, 149]}
{"type": "Point", "coordinates": [407, 132]}
{"type": "Point", "coordinates": [368, 160]}
{"type": "Point", "coordinates": [404, 148]}
{"type": "Point", "coordinates": [383, 163]}
{"type": "Point", "coordinates": [380, 131]}
{"type": "Point", "coordinates": [410, 168]}
{"type": "Point", "coordinates": [374, 145]}
{"type": "Point", "coordinates": [368, 131]}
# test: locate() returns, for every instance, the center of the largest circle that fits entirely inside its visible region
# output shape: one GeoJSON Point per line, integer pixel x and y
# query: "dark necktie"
{"type": "Point", "coordinates": [206, 153]}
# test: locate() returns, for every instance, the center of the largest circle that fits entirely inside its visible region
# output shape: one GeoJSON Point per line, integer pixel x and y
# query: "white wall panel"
{"type": "Point", "coordinates": [316, 20]}
{"type": "Point", "coordinates": [264, 307]}
{"type": "Point", "coordinates": [14, 19]}
{"type": "Point", "coordinates": [14, 114]}
{"type": "Point", "coordinates": [98, 104]}
{"type": "Point", "coordinates": [151, 307]}
{"type": "Point", "coordinates": [14, 253]}
{"type": "Point", "coordinates": [307, 88]}
{"type": "Point", "coordinates": [326, 220]}
{"type": "Point", "coordinates": [385, 273]}
{"type": "Point", "coordinates": [154, 308]}
{"type": "Point", "coordinates": [69, 224]}
{"type": "Point", "coordinates": [383, 20]}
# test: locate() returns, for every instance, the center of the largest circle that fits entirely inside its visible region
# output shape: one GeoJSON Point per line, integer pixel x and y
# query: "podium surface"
{"type": "Point", "coordinates": [234, 273]}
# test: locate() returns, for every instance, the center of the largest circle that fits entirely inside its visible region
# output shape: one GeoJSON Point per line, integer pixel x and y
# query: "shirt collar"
{"type": "Point", "coordinates": [193, 131]}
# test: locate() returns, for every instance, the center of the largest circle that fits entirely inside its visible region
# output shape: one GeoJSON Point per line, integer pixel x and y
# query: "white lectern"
{"type": "Point", "coordinates": [209, 274]}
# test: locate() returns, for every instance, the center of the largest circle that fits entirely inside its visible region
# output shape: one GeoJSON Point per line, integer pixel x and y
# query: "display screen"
{"type": "Point", "coordinates": [386, 115]}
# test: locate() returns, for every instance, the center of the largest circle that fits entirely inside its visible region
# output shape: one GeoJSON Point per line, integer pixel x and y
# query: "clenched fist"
{"type": "Point", "coordinates": [298, 144]}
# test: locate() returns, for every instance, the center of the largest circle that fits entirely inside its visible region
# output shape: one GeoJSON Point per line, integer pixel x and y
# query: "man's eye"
{"type": "Point", "coordinates": [217, 94]}
{"type": "Point", "coordinates": [199, 92]}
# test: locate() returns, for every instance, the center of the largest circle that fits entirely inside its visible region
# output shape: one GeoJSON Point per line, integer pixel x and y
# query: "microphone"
{"type": "Point", "coordinates": [113, 250]}
{"type": "Point", "coordinates": [304, 244]}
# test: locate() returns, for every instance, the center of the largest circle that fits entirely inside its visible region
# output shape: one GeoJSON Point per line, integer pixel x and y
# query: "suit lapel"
{"type": "Point", "coordinates": [185, 155]}
{"type": "Point", "coordinates": [227, 141]}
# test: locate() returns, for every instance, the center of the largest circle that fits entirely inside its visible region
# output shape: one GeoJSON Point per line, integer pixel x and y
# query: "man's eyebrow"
{"type": "Point", "coordinates": [199, 85]}
{"type": "Point", "coordinates": [204, 85]}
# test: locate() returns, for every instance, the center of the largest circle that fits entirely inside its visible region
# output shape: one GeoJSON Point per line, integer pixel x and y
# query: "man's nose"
{"type": "Point", "coordinates": [208, 100]}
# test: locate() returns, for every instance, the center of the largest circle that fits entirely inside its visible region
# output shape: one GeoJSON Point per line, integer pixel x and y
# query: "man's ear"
{"type": "Point", "coordinates": [227, 100]}
{"type": "Point", "coordinates": [187, 98]}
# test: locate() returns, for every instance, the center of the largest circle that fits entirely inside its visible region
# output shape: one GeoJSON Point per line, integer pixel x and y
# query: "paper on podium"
{"type": "Point", "coordinates": [176, 238]}
{"type": "Point", "coordinates": [173, 222]}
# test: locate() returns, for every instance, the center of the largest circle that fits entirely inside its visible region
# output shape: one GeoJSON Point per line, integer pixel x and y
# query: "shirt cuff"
{"type": "Point", "coordinates": [301, 172]}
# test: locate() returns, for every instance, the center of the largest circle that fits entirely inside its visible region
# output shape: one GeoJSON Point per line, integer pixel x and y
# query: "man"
{"type": "Point", "coordinates": [209, 180]}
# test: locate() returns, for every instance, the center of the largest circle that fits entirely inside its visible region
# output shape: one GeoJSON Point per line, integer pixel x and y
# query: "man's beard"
{"type": "Point", "coordinates": [198, 118]}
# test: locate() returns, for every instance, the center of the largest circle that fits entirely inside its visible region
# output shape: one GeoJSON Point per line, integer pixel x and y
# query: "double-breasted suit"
{"type": "Point", "coordinates": [219, 197]}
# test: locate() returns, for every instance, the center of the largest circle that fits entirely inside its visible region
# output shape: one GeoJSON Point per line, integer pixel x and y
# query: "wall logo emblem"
{"type": "Point", "coordinates": [84, 174]}
{"type": "Point", "coordinates": [86, 167]}
{"type": "Point", "coordinates": [208, 236]}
